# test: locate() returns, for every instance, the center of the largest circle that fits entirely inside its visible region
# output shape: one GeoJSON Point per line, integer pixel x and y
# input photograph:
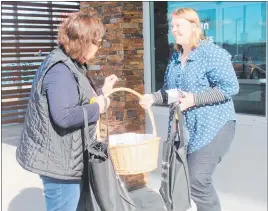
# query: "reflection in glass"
{"type": "Point", "coordinates": [240, 28]}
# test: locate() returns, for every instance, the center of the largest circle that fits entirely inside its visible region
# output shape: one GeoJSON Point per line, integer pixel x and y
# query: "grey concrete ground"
{"type": "Point", "coordinates": [22, 191]}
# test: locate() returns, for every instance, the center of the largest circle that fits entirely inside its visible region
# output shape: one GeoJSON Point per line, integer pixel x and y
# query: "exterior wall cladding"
{"type": "Point", "coordinates": [121, 54]}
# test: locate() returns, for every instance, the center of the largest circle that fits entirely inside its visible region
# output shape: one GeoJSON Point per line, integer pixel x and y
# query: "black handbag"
{"type": "Point", "coordinates": [103, 189]}
{"type": "Point", "coordinates": [175, 185]}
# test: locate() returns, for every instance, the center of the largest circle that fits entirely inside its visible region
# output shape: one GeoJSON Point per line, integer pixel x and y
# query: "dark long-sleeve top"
{"type": "Point", "coordinates": [61, 89]}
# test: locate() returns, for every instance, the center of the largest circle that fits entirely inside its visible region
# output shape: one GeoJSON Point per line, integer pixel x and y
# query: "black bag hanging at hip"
{"type": "Point", "coordinates": [175, 185]}
{"type": "Point", "coordinates": [103, 189]}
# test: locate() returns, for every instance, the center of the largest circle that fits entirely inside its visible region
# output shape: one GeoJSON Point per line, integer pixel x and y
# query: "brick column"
{"type": "Point", "coordinates": [122, 55]}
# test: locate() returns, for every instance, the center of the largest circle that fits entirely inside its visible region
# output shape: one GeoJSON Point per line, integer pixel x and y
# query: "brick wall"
{"type": "Point", "coordinates": [122, 54]}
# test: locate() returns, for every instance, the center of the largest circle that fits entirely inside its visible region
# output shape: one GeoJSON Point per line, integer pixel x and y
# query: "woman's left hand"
{"type": "Point", "coordinates": [109, 84]}
{"type": "Point", "coordinates": [187, 101]}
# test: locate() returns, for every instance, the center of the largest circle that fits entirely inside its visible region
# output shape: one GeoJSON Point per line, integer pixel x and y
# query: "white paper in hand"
{"type": "Point", "coordinates": [173, 95]}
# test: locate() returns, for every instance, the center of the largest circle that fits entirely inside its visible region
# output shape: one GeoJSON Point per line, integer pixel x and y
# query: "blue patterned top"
{"type": "Point", "coordinates": [208, 66]}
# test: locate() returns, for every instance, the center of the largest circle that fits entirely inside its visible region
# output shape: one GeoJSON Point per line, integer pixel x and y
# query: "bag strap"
{"type": "Point", "coordinates": [86, 128]}
{"type": "Point", "coordinates": [106, 117]}
{"type": "Point", "coordinates": [179, 128]}
{"type": "Point", "coordinates": [181, 125]}
{"type": "Point", "coordinates": [173, 131]}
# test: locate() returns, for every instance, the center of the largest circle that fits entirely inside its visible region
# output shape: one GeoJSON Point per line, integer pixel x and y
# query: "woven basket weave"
{"type": "Point", "coordinates": [135, 158]}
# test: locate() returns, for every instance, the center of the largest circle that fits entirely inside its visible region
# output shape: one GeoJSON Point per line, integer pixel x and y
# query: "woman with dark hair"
{"type": "Point", "coordinates": [51, 140]}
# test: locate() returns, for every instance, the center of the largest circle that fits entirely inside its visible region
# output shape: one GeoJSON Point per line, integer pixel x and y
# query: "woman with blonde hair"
{"type": "Point", "coordinates": [61, 100]}
{"type": "Point", "coordinates": [203, 78]}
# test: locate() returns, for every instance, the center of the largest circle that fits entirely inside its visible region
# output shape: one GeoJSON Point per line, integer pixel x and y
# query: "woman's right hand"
{"type": "Point", "coordinates": [101, 101]}
{"type": "Point", "coordinates": [146, 101]}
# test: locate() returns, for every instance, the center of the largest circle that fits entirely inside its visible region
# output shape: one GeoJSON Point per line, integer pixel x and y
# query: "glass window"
{"type": "Point", "coordinates": [238, 27]}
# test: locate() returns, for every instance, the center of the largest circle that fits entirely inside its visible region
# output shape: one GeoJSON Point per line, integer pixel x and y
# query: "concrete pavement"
{"type": "Point", "coordinates": [22, 190]}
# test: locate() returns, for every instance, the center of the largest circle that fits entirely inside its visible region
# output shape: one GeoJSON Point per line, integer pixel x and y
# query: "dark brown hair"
{"type": "Point", "coordinates": [78, 33]}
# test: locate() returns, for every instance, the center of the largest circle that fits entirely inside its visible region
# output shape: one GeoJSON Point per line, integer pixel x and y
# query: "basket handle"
{"type": "Point", "coordinates": [139, 96]}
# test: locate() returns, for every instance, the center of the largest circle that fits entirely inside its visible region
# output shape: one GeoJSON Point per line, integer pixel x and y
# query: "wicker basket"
{"type": "Point", "coordinates": [135, 158]}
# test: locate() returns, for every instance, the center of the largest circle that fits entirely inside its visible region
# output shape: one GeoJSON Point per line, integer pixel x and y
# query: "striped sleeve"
{"type": "Point", "coordinates": [158, 98]}
{"type": "Point", "coordinates": [213, 95]}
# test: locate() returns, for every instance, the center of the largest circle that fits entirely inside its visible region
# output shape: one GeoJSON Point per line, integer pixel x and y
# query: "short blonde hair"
{"type": "Point", "coordinates": [190, 15]}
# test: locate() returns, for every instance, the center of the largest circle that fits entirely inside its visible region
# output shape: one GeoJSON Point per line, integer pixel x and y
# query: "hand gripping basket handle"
{"type": "Point", "coordinates": [139, 96]}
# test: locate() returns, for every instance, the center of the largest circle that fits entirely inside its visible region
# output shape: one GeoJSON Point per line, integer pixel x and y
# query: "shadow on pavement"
{"type": "Point", "coordinates": [29, 199]}
{"type": "Point", "coordinates": [147, 199]}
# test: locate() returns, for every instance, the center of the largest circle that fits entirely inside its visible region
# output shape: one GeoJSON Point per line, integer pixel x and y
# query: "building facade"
{"type": "Point", "coordinates": [240, 28]}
